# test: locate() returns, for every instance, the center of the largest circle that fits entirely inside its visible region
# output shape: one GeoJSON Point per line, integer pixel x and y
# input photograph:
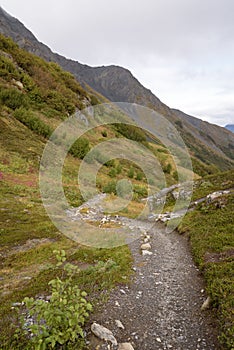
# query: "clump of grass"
{"type": "Point", "coordinates": [211, 233]}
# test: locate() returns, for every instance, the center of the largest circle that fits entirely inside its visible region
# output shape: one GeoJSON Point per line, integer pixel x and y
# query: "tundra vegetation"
{"type": "Point", "coordinates": [35, 97]}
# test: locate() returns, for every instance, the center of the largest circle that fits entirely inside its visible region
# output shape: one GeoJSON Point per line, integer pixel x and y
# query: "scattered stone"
{"type": "Point", "coordinates": [103, 333]}
{"type": "Point", "coordinates": [125, 346]}
{"type": "Point", "coordinates": [210, 197]}
{"type": "Point", "coordinates": [158, 340]}
{"type": "Point", "coordinates": [206, 304]}
{"type": "Point", "coordinates": [146, 252]}
{"type": "Point", "coordinates": [119, 324]}
{"type": "Point", "coordinates": [146, 246]}
{"type": "Point", "coordinates": [117, 303]}
{"type": "Point", "coordinates": [16, 304]}
{"type": "Point", "coordinates": [122, 291]}
{"type": "Point", "coordinates": [18, 84]}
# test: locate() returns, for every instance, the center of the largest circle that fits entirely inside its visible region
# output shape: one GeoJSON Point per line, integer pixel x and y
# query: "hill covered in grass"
{"type": "Point", "coordinates": [210, 144]}
{"type": "Point", "coordinates": [210, 229]}
{"type": "Point", "coordinates": [35, 97]}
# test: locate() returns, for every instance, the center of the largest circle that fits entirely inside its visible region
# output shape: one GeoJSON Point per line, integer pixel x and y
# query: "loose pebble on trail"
{"type": "Point", "coordinates": [161, 308]}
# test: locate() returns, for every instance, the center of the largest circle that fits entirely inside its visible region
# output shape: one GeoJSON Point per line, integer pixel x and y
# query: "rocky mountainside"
{"type": "Point", "coordinates": [209, 143]}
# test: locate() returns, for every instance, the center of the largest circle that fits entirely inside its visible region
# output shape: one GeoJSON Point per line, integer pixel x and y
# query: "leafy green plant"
{"type": "Point", "coordinates": [60, 320]}
{"type": "Point", "coordinates": [110, 163]}
{"type": "Point", "coordinates": [167, 168]}
{"type": "Point", "coordinates": [13, 98]}
{"type": "Point", "coordinates": [131, 173]}
{"type": "Point", "coordinates": [80, 148]}
{"type": "Point", "coordinates": [94, 101]}
{"type": "Point", "coordinates": [110, 187]}
{"type": "Point", "coordinates": [131, 132]}
{"type": "Point", "coordinates": [32, 122]}
{"type": "Point", "coordinates": [139, 192]}
{"type": "Point", "coordinates": [112, 172]}
{"type": "Point", "coordinates": [175, 175]}
{"type": "Point", "coordinates": [139, 176]}
{"type": "Point", "coordinates": [118, 168]}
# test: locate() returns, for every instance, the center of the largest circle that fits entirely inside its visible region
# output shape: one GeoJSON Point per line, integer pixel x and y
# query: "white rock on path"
{"type": "Point", "coordinates": [119, 324]}
{"type": "Point", "coordinates": [146, 246]}
{"type": "Point", "coordinates": [103, 333]}
{"type": "Point", "coordinates": [206, 304]}
{"type": "Point", "coordinates": [146, 252]}
{"type": "Point", "coordinates": [125, 346]}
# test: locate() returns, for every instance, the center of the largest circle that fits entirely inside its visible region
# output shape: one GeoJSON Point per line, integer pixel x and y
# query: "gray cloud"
{"type": "Point", "coordinates": [182, 50]}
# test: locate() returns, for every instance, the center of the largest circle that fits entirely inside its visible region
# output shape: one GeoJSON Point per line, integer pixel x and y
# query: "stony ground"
{"type": "Point", "coordinates": [161, 308]}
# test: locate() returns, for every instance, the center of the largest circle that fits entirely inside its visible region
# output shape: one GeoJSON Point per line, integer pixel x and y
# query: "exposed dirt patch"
{"type": "Point", "coordinates": [30, 243]}
{"type": "Point", "coordinates": [29, 180]}
{"type": "Point", "coordinates": [219, 257]}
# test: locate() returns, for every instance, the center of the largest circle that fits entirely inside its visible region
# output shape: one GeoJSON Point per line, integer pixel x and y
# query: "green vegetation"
{"type": "Point", "coordinates": [131, 173]}
{"type": "Point", "coordinates": [179, 124]}
{"type": "Point", "coordinates": [35, 124]}
{"type": "Point", "coordinates": [36, 83]}
{"type": "Point", "coordinates": [60, 320]}
{"type": "Point", "coordinates": [131, 132]}
{"type": "Point", "coordinates": [167, 168]}
{"type": "Point", "coordinates": [35, 97]}
{"type": "Point", "coordinates": [27, 240]}
{"type": "Point", "coordinates": [80, 148]}
{"type": "Point", "coordinates": [211, 231]}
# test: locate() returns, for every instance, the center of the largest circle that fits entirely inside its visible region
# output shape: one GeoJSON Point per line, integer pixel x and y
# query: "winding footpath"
{"type": "Point", "coordinates": [161, 308]}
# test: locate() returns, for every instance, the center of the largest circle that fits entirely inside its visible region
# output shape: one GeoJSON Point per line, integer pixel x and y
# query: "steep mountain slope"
{"type": "Point", "coordinates": [210, 143]}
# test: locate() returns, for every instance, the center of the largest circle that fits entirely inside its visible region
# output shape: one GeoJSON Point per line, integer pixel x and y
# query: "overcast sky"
{"type": "Point", "coordinates": [183, 50]}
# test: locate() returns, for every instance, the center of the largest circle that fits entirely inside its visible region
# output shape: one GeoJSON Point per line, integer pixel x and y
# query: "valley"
{"type": "Point", "coordinates": [157, 293]}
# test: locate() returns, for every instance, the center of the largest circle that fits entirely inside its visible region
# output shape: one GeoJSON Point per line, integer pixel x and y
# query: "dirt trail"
{"type": "Point", "coordinates": [161, 307]}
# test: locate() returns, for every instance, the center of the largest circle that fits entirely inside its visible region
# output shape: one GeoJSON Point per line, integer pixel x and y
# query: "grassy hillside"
{"type": "Point", "coordinates": [35, 97]}
{"type": "Point", "coordinates": [211, 231]}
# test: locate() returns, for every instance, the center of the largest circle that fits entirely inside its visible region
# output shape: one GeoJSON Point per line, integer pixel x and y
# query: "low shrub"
{"type": "Point", "coordinates": [110, 187]}
{"type": "Point", "coordinates": [80, 148]}
{"type": "Point", "coordinates": [58, 322]}
{"type": "Point", "coordinates": [13, 98]}
{"type": "Point", "coordinates": [32, 122]}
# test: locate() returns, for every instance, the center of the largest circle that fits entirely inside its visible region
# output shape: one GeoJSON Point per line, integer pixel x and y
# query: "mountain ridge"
{"type": "Point", "coordinates": [117, 84]}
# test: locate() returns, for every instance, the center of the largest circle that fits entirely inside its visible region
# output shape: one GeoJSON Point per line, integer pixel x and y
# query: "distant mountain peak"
{"type": "Point", "coordinates": [230, 127]}
{"type": "Point", "coordinates": [206, 141]}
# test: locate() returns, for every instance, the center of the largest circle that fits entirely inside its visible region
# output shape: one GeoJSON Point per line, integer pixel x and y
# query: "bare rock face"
{"type": "Point", "coordinates": [103, 333]}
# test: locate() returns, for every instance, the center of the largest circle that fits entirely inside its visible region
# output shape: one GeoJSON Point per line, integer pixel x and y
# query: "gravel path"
{"type": "Point", "coordinates": [160, 309]}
